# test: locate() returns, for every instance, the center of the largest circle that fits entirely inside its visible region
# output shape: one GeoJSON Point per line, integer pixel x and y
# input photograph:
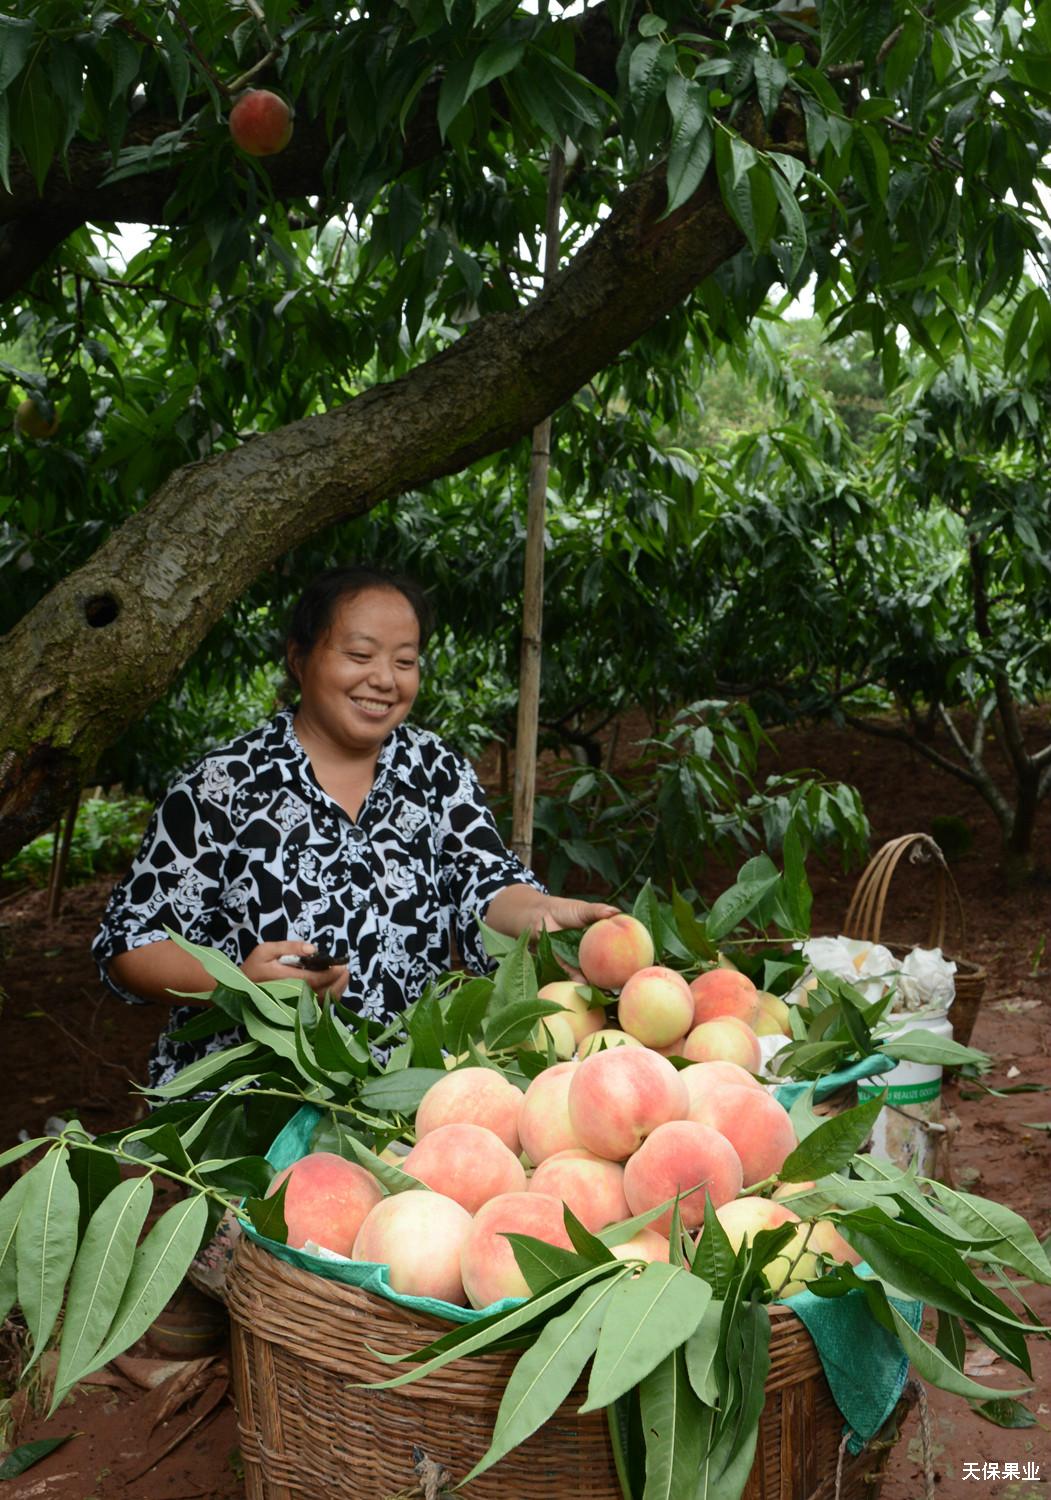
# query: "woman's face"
{"type": "Point", "coordinates": [361, 678]}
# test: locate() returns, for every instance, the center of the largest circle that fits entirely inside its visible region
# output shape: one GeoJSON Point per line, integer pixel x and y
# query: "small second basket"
{"type": "Point", "coordinates": [301, 1353]}
{"type": "Point", "coordinates": [867, 913]}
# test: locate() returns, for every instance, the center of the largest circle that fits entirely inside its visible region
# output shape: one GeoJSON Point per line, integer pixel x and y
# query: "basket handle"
{"type": "Point", "coordinates": [865, 914]}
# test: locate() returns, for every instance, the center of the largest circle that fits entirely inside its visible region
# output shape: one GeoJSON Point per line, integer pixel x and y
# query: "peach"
{"type": "Point", "coordinates": [745, 1217]}
{"type": "Point", "coordinates": [725, 1040]}
{"type": "Point", "coordinates": [673, 1049]}
{"type": "Point", "coordinates": [556, 1030]}
{"type": "Point", "coordinates": [261, 123]}
{"type": "Point", "coordinates": [678, 1156]}
{"type": "Point", "coordinates": [544, 1120]}
{"type": "Point", "coordinates": [655, 1006]}
{"type": "Point", "coordinates": [757, 1127]}
{"type": "Point", "coordinates": [645, 1244]}
{"type": "Point", "coordinates": [773, 1017]}
{"type": "Point", "coordinates": [472, 1096]}
{"type": "Point", "coordinates": [604, 1040]}
{"type": "Point", "coordinates": [466, 1163]}
{"type": "Point", "coordinates": [613, 949]}
{"type": "Point", "coordinates": [582, 1018]}
{"type": "Point", "coordinates": [420, 1236]}
{"type": "Point", "coordinates": [724, 992]}
{"type": "Point", "coordinates": [617, 1098]}
{"type": "Point", "coordinates": [487, 1262]}
{"type": "Point", "coordinates": [326, 1200]}
{"type": "Point", "coordinates": [700, 1077]}
{"type": "Point", "coordinates": [590, 1186]}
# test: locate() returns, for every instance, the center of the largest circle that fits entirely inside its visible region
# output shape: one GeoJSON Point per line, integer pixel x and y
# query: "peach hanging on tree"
{"type": "Point", "coordinates": [261, 123]}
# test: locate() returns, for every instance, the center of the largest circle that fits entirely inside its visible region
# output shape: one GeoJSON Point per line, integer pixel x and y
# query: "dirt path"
{"type": "Point", "coordinates": [69, 1048]}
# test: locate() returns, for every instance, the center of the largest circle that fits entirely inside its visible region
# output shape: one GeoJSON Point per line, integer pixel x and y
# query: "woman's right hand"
{"type": "Point", "coordinates": [263, 964]}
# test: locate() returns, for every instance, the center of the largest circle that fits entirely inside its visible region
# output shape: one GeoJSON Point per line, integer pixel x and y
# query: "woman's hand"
{"type": "Point", "coordinates": [518, 908]}
{"type": "Point", "coordinates": [264, 964]}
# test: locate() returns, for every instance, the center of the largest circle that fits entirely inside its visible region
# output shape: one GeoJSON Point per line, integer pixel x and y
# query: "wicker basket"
{"type": "Point", "coordinates": [865, 917]}
{"type": "Point", "coordinates": [300, 1350]}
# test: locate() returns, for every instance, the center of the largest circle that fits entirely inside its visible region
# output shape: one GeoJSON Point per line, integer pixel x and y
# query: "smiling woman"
{"type": "Point", "coordinates": [336, 828]}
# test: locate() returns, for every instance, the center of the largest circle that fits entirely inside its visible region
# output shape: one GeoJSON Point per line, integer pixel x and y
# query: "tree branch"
{"type": "Point", "coordinates": [106, 642]}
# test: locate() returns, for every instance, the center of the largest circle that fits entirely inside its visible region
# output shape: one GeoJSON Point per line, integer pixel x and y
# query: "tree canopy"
{"type": "Point", "coordinates": [308, 334]}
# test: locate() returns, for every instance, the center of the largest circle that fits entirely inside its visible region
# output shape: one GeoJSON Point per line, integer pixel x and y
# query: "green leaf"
{"type": "Point", "coordinates": [36, 124]}
{"type": "Point", "coordinates": [514, 982]}
{"type": "Point", "coordinates": [650, 1315]}
{"type": "Point", "coordinates": [96, 1175]}
{"type": "Point", "coordinates": [466, 1012]}
{"type": "Point", "coordinates": [714, 1259]}
{"type": "Point", "coordinates": [475, 1338]}
{"type": "Point", "coordinates": [648, 70]}
{"type": "Point", "coordinates": [208, 1071]}
{"type": "Point", "coordinates": [747, 1341]}
{"type": "Point", "coordinates": [267, 1215]}
{"type": "Point", "coordinates": [922, 1047]}
{"type": "Point", "coordinates": [16, 34]}
{"type": "Point", "coordinates": [46, 1243]}
{"type": "Point", "coordinates": [160, 1263]}
{"type": "Point", "coordinates": [730, 909]}
{"type": "Point", "coordinates": [16, 1153]}
{"type": "Point", "coordinates": [100, 1274]}
{"type": "Point", "coordinates": [225, 972]}
{"type": "Point", "coordinates": [1017, 1245]}
{"type": "Point", "coordinates": [10, 1211]}
{"type": "Point", "coordinates": [1006, 1413]}
{"type": "Point", "coordinates": [5, 142]}
{"type": "Point", "coordinates": [546, 1373]}
{"type": "Point", "coordinates": [832, 1144]}
{"type": "Point", "coordinates": [392, 1178]}
{"type": "Point", "coordinates": [929, 1363]}
{"type": "Point", "coordinates": [702, 1347]}
{"type": "Point", "coordinates": [401, 1092]}
{"type": "Point", "coordinates": [671, 1421]}
{"type": "Point", "coordinates": [542, 1264]}
{"type": "Point", "coordinates": [515, 1023]}
{"type": "Point", "coordinates": [27, 1454]}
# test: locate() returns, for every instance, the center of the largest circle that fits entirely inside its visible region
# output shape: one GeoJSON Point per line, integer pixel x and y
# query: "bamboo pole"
{"type": "Point", "coordinates": [533, 578]}
{"type": "Point", "coordinates": [60, 861]}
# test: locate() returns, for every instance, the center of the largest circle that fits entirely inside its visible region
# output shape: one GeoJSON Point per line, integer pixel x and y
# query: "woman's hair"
{"type": "Point", "coordinates": [313, 614]}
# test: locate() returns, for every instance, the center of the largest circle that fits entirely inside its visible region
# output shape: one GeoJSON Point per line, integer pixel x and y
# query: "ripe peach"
{"type": "Point", "coordinates": [602, 1041]}
{"type": "Point", "coordinates": [487, 1262]}
{"type": "Point", "coordinates": [617, 1098]}
{"type": "Point", "coordinates": [326, 1200]}
{"type": "Point", "coordinates": [745, 1217]}
{"type": "Point", "coordinates": [655, 1006]}
{"type": "Point", "coordinates": [645, 1244]}
{"type": "Point", "coordinates": [758, 1128]}
{"type": "Point", "coordinates": [420, 1236]}
{"type": "Point", "coordinates": [612, 949]}
{"type": "Point", "coordinates": [676, 1157]}
{"type": "Point", "coordinates": [724, 992]}
{"type": "Point", "coordinates": [261, 123]}
{"type": "Point", "coordinates": [582, 1019]}
{"type": "Point", "coordinates": [591, 1186]}
{"type": "Point", "coordinates": [700, 1077]}
{"type": "Point", "coordinates": [466, 1163]}
{"type": "Point", "coordinates": [827, 1240]}
{"type": "Point", "coordinates": [725, 1040]}
{"type": "Point", "coordinates": [543, 1123]}
{"type": "Point", "coordinates": [472, 1096]}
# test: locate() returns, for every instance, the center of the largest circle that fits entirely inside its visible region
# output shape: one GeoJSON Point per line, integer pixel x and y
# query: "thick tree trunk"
{"type": "Point", "coordinates": [107, 642]}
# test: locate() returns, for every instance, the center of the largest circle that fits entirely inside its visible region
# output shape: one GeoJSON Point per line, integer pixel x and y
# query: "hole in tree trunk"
{"type": "Point", "coordinates": [101, 609]}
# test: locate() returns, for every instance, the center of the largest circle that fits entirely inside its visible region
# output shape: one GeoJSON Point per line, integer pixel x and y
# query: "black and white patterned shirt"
{"type": "Point", "coordinates": [247, 848]}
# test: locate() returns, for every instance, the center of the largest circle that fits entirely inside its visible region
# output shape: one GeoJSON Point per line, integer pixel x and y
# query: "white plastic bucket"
{"type": "Point", "coordinates": [906, 1129]}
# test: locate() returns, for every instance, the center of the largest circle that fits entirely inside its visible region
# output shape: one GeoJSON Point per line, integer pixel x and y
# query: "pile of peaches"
{"type": "Point", "coordinates": [615, 1132]}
